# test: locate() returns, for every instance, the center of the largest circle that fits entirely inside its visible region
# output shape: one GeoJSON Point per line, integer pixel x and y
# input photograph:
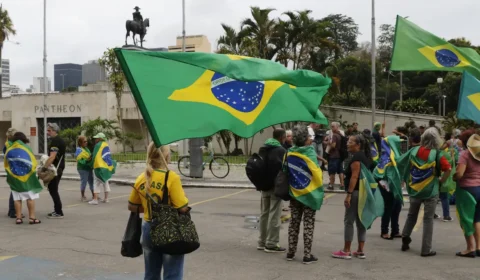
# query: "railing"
{"type": "Point", "coordinates": [142, 157]}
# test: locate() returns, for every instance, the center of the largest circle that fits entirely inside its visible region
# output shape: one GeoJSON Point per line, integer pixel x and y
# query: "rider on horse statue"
{"type": "Point", "coordinates": [137, 16]}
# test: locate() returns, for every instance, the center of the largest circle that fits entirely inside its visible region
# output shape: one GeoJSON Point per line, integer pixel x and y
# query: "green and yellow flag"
{"type": "Point", "coordinates": [450, 185]}
{"type": "Point", "coordinates": [466, 206]}
{"type": "Point", "coordinates": [305, 177]}
{"type": "Point", "coordinates": [418, 50]}
{"type": "Point", "coordinates": [193, 95]}
{"type": "Point", "coordinates": [386, 168]}
{"type": "Point", "coordinates": [370, 200]}
{"type": "Point", "coordinates": [21, 167]}
{"type": "Point", "coordinates": [469, 100]}
{"type": "Point", "coordinates": [103, 164]}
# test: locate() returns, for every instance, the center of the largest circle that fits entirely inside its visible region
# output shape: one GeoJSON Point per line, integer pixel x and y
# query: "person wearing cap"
{"type": "Point", "coordinates": [103, 168]}
{"type": "Point", "coordinates": [468, 193]}
{"type": "Point", "coordinates": [56, 153]}
{"type": "Point", "coordinates": [11, 205]}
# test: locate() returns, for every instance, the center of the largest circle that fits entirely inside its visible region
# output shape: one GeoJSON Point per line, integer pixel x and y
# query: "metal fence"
{"type": "Point", "coordinates": [142, 157]}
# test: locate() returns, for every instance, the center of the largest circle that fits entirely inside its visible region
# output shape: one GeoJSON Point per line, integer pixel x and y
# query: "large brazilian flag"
{"type": "Point", "coordinates": [21, 167]}
{"type": "Point", "coordinates": [103, 164]}
{"type": "Point", "coordinates": [305, 176]}
{"type": "Point", "coordinates": [370, 200]}
{"type": "Point", "coordinates": [386, 168]}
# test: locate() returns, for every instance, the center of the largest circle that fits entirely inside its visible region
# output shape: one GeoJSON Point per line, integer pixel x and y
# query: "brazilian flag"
{"type": "Point", "coordinates": [449, 186]}
{"type": "Point", "coordinates": [220, 92]}
{"type": "Point", "coordinates": [386, 168]}
{"type": "Point", "coordinates": [420, 176]}
{"type": "Point", "coordinates": [370, 200]}
{"type": "Point", "coordinates": [466, 205]}
{"type": "Point", "coordinates": [103, 164]}
{"type": "Point", "coordinates": [305, 177]}
{"type": "Point", "coordinates": [469, 100]}
{"type": "Point", "coordinates": [21, 167]}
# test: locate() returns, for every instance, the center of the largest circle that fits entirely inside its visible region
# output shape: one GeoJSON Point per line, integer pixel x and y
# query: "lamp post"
{"type": "Point", "coordinates": [439, 82]}
{"type": "Point", "coordinates": [444, 110]}
{"type": "Point", "coordinates": [45, 82]}
{"type": "Point", "coordinates": [373, 63]}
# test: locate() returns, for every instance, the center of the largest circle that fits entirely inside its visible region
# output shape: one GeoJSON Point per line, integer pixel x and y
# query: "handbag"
{"type": "Point", "coordinates": [131, 246]}
{"type": "Point", "coordinates": [282, 185]}
{"type": "Point", "coordinates": [171, 232]}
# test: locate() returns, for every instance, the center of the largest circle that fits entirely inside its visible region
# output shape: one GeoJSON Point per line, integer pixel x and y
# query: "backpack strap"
{"type": "Point", "coordinates": [165, 190]}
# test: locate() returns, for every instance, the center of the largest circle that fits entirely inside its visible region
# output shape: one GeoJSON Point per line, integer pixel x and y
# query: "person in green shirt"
{"type": "Point", "coordinates": [83, 156]}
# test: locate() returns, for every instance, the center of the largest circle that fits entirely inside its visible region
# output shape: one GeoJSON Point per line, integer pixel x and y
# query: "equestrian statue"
{"type": "Point", "coordinates": [137, 26]}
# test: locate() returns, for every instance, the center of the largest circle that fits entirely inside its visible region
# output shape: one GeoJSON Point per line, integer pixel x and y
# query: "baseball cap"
{"type": "Point", "coordinates": [100, 135]}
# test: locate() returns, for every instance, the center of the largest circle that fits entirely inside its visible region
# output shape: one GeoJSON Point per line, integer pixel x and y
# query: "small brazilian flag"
{"type": "Point", "coordinates": [469, 101]}
{"type": "Point", "coordinates": [386, 168]}
{"type": "Point", "coordinates": [193, 95]}
{"type": "Point", "coordinates": [305, 177]}
{"type": "Point", "coordinates": [103, 164]}
{"type": "Point", "coordinates": [370, 200]}
{"type": "Point", "coordinates": [21, 167]}
{"type": "Point", "coordinates": [418, 50]}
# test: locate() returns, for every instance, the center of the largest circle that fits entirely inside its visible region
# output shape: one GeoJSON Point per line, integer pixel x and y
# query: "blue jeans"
{"type": "Point", "coordinates": [86, 176]}
{"type": "Point", "coordinates": [154, 261]}
{"type": "Point", "coordinates": [445, 204]}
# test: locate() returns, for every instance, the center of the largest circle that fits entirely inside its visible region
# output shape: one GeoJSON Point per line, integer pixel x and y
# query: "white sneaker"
{"type": "Point", "coordinates": [105, 200]}
{"type": "Point", "coordinates": [93, 202]}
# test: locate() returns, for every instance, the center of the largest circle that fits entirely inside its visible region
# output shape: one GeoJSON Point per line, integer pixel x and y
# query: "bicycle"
{"type": "Point", "coordinates": [215, 164]}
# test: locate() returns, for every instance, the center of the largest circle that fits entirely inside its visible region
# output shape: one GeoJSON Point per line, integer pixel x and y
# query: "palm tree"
{"type": "Point", "coordinates": [6, 29]}
{"type": "Point", "coordinates": [260, 29]}
{"type": "Point", "coordinates": [236, 43]}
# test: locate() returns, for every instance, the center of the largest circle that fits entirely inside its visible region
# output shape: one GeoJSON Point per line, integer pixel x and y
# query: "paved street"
{"type": "Point", "coordinates": [86, 244]}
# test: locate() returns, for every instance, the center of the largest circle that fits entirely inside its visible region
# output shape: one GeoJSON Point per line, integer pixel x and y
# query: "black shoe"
{"type": "Point", "coordinates": [478, 253]}
{"type": "Point", "coordinates": [406, 243]}
{"type": "Point", "coordinates": [290, 257]}
{"type": "Point", "coordinates": [447, 219]}
{"type": "Point", "coordinates": [276, 249]}
{"type": "Point", "coordinates": [311, 259]}
{"type": "Point", "coordinates": [467, 255]}
{"type": "Point", "coordinates": [436, 216]}
{"type": "Point", "coordinates": [54, 215]}
{"type": "Point", "coordinates": [431, 254]}
{"type": "Point", "coordinates": [330, 187]}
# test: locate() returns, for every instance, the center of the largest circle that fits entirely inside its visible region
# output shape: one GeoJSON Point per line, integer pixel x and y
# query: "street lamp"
{"type": "Point", "coordinates": [439, 82]}
{"type": "Point", "coordinates": [444, 111]}
{"type": "Point", "coordinates": [373, 63]}
{"type": "Point", "coordinates": [63, 81]}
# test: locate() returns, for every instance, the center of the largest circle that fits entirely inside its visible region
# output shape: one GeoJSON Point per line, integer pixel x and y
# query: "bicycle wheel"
{"type": "Point", "coordinates": [184, 166]}
{"type": "Point", "coordinates": [219, 167]}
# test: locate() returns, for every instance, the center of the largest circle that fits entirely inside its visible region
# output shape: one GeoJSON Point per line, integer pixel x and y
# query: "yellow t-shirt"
{"type": "Point", "coordinates": [176, 195]}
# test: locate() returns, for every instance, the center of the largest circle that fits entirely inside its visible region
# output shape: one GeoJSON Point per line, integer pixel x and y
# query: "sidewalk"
{"type": "Point", "coordinates": [126, 174]}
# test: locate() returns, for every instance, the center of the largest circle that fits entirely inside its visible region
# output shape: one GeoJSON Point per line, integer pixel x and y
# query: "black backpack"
{"type": "Point", "coordinates": [343, 148]}
{"type": "Point", "coordinates": [257, 170]}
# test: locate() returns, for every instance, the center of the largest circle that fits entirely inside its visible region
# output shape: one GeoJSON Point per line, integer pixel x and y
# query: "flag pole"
{"type": "Point", "coordinates": [373, 63]}
{"type": "Point", "coordinates": [45, 82]}
{"type": "Point", "coordinates": [183, 50]}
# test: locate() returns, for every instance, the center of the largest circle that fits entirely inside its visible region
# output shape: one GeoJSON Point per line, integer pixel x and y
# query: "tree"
{"type": "Point", "coordinates": [130, 139]}
{"type": "Point", "coordinates": [344, 31]}
{"type": "Point", "coordinates": [385, 45]}
{"type": "Point", "coordinates": [413, 105]}
{"type": "Point", "coordinates": [236, 43]}
{"type": "Point", "coordinates": [260, 28]}
{"type": "Point", "coordinates": [226, 137]}
{"type": "Point", "coordinates": [354, 75]}
{"type": "Point", "coordinates": [70, 89]}
{"type": "Point", "coordinates": [451, 122]}
{"type": "Point", "coordinates": [6, 29]}
{"type": "Point", "coordinates": [92, 127]}
{"type": "Point", "coordinates": [70, 136]}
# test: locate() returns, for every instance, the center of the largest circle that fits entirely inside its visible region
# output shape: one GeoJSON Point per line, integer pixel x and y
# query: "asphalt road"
{"type": "Point", "coordinates": [86, 244]}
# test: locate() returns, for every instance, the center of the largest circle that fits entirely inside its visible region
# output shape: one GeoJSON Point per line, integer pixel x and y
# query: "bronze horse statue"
{"type": "Point", "coordinates": [136, 28]}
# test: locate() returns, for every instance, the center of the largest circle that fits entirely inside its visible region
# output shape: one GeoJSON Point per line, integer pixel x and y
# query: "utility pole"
{"type": "Point", "coordinates": [45, 82]}
{"type": "Point", "coordinates": [373, 64]}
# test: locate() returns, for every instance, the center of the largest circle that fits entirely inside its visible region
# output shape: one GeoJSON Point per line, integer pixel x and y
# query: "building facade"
{"type": "Point", "coordinates": [39, 85]}
{"type": "Point", "coordinates": [92, 73]}
{"type": "Point", "coordinates": [5, 71]}
{"type": "Point", "coordinates": [193, 43]}
{"type": "Point", "coordinates": [67, 75]}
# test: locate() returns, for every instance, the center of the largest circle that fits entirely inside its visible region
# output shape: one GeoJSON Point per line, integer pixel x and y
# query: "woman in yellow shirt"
{"type": "Point", "coordinates": [153, 182]}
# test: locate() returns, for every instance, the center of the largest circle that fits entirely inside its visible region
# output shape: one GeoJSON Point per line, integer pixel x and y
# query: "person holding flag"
{"type": "Point", "coordinates": [83, 157]}
{"type": "Point", "coordinates": [103, 168]}
{"type": "Point", "coordinates": [468, 193]}
{"type": "Point", "coordinates": [21, 167]}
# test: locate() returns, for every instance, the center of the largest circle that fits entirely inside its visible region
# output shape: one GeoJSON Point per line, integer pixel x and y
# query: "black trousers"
{"type": "Point", "coordinates": [53, 190]}
{"type": "Point", "coordinates": [391, 214]}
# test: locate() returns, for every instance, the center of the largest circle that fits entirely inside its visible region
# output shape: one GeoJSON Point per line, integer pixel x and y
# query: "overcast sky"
{"type": "Point", "coordinates": [78, 31]}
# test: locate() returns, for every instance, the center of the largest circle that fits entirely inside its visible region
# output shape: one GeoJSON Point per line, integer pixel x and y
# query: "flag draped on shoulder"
{"type": "Point", "coordinates": [21, 167]}
{"type": "Point", "coordinates": [466, 205]}
{"type": "Point", "coordinates": [386, 169]}
{"type": "Point", "coordinates": [450, 185]}
{"type": "Point", "coordinates": [220, 92]}
{"type": "Point", "coordinates": [305, 177]}
{"type": "Point", "coordinates": [469, 100]}
{"type": "Point", "coordinates": [81, 154]}
{"type": "Point", "coordinates": [415, 49]}
{"type": "Point", "coordinates": [103, 164]}
{"type": "Point", "coordinates": [420, 176]}
{"type": "Point", "coordinates": [370, 200]}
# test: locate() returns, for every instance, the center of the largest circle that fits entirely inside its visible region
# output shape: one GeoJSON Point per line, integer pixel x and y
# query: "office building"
{"type": "Point", "coordinates": [193, 43]}
{"type": "Point", "coordinates": [5, 71]}
{"type": "Point", "coordinates": [39, 85]}
{"type": "Point", "coordinates": [67, 75]}
{"type": "Point", "coordinates": [92, 73]}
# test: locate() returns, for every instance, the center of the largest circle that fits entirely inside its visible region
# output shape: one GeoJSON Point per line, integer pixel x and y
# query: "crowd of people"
{"type": "Point", "coordinates": [25, 173]}
{"type": "Point", "coordinates": [431, 169]}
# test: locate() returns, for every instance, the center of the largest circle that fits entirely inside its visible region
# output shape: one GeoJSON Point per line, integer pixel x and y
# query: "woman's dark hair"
{"type": "Point", "coordinates": [465, 136]}
{"type": "Point", "coordinates": [448, 136]}
{"type": "Point", "coordinates": [364, 144]}
{"type": "Point", "coordinates": [20, 136]}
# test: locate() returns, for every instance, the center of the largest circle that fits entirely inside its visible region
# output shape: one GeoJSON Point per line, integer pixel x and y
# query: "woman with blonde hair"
{"type": "Point", "coordinates": [152, 181]}
{"type": "Point", "coordinates": [84, 168]}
